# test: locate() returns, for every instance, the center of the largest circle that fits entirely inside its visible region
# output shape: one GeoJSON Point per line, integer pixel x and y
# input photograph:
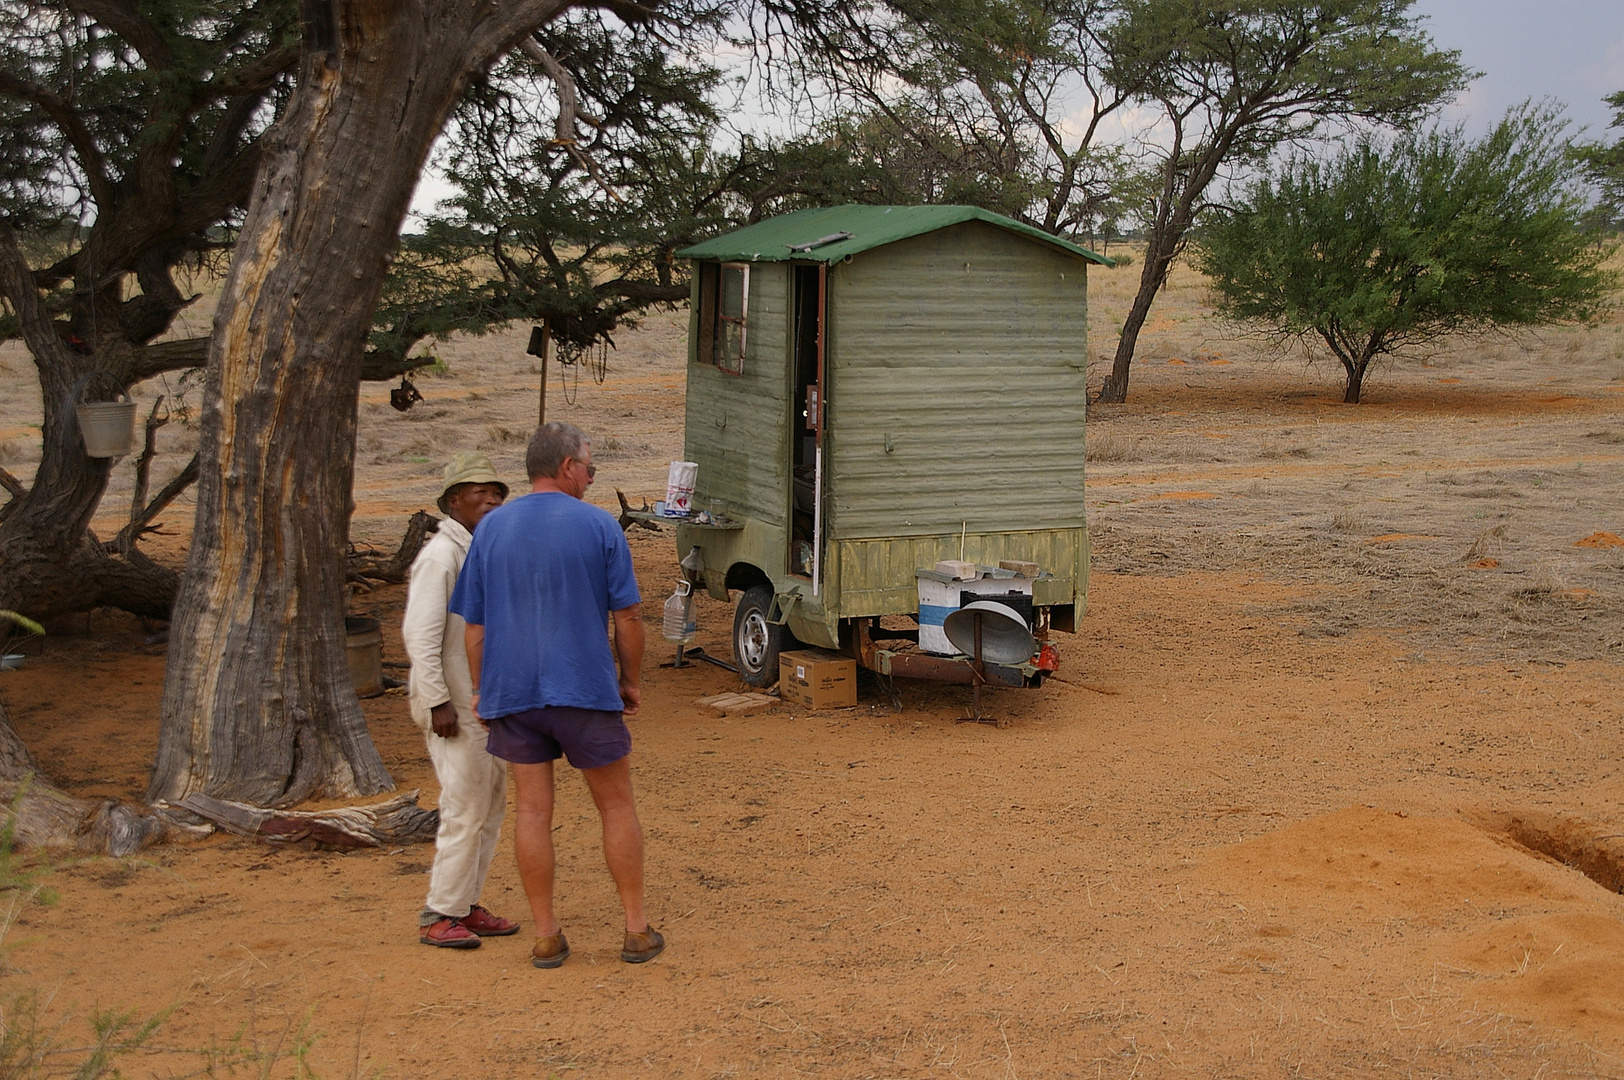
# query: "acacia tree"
{"type": "Point", "coordinates": [1234, 81]}
{"type": "Point", "coordinates": [132, 134]}
{"type": "Point", "coordinates": [254, 697]}
{"type": "Point", "coordinates": [1604, 167]}
{"type": "Point", "coordinates": [996, 103]}
{"type": "Point", "coordinates": [1387, 248]}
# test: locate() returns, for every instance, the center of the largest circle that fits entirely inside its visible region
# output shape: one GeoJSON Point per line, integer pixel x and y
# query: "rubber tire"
{"type": "Point", "coordinates": [757, 640]}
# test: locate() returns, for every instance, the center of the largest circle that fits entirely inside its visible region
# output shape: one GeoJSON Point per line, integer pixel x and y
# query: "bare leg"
{"type": "Point", "coordinates": [533, 841]}
{"type": "Point", "coordinates": [611, 787]}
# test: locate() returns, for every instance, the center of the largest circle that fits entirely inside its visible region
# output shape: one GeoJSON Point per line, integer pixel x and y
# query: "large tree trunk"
{"type": "Point", "coordinates": [258, 705]}
{"type": "Point", "coordinates": [1350, 392]}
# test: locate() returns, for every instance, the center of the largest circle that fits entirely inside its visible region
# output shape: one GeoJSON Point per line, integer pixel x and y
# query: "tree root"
{"type": "Point", "coordinates": [42, 816]}
{"type": "Point", "coordinates": [395, 821]}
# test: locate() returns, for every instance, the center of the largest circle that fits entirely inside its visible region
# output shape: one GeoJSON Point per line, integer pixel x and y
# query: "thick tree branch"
{"type": "Point", "coordinates": [154, 360]}
{"type": "Point", "coordinates": [379, 366]}
{"type": "Point", "coordinates": [254, 77]}
{"type": "Point", "coordinates": [17, 286]}
{"type": "Point", "coordinates": [125, 21]}
{"type": "Point", "coordinates": [16, 490]}
{"type": "Point", "coordinates": [569, 100]}
{"type": "Point", "coordinates": [12, 484]}
{"type": "Point", "coordinates": [643, 291]}
{"type": "Point", "coordinates": [569, 112]}
{"type": "Point", "coordinates": [72, 125]}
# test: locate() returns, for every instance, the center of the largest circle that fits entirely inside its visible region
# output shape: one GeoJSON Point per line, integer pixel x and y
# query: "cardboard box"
{"type": "Point", "coordinates": [817, 680]}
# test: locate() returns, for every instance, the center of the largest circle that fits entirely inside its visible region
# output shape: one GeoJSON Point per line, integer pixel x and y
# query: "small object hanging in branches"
{"type": "Point", "coordinates": [600, 363]}
{"type": "Point", "coordinates": [405, 395]}
{"type": "Point", "coordinates": [573, 355]}
{"type": "Point", "coordinates": [569, 370]}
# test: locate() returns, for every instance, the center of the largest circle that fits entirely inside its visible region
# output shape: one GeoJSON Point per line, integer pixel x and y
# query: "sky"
{"type": "Point", "coordinates": [1569, 50]}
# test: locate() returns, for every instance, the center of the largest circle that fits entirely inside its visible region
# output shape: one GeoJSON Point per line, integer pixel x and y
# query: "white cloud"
{"type": "Point", "coordinates": [1608, 76]}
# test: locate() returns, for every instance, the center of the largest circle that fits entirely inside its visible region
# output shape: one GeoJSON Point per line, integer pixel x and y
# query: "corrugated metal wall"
{"type": "Point", "coordinates": [738, 425]}
{"type": "Point", "coordinates": [957, 386]}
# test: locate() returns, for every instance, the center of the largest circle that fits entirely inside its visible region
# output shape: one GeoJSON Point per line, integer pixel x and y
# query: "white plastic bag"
{"type": "Point", "coordinates": [679, 488]}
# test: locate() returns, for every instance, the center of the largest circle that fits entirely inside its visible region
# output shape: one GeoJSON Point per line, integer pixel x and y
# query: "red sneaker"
{"type": "Point", "coordinates": [448, 934]}
{"type": "Point", "coordinates": [485, 924]}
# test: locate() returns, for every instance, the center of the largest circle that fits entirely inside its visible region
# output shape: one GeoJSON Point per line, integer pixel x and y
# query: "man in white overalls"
{"type": "Point", "coordinates": [473, 784]}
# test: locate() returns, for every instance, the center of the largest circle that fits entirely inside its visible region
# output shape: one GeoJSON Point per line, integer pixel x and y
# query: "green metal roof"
{"type": "Point", "coordinates": [816, 235]}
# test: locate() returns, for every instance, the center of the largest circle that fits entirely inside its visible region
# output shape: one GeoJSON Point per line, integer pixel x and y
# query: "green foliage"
{"type": "Point", "coordinates": [130, 135]}
{"type": "Point", "coordinates": [582, 231]}
{"type": "Point", "coordinates": [1257, 73]}
{"type": "Point", "coordinates": [29, 1042]}
{"type": "Point", "coordinates": [579, 230]}
{"type": "Point", "coordinates": [994, 103]}
{"type": "Point", "coordinates": [1604, 167]}
{"type": "Point", "coordinates": [1388, 246]}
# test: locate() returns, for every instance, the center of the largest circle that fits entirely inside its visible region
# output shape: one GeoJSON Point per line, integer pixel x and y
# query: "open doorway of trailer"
{"type": "Point", "coordinates": [808, 407]}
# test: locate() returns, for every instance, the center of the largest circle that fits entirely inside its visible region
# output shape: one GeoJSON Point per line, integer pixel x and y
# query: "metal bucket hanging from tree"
{"type": "Point", "coordinates": [107, 427]}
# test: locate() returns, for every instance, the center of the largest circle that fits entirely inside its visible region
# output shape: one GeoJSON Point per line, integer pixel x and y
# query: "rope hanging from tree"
{"type": "Point", "coordinates": [572, 357]}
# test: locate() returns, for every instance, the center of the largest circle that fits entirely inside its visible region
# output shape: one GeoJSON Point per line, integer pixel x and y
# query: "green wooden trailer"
{"type": "Point", "coordinates": [872, 389]}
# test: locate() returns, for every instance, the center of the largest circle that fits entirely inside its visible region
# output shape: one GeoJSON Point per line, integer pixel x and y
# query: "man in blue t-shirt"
{"type": "Point", "coordinates": [544, 576]}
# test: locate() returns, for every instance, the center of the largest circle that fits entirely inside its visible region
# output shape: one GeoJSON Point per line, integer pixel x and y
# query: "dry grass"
{"type": "Point", "coordinates": [1109, 446]}
{"type": "Point", "coordinates": [1489, 543]}
{"type": "Point", "coordinates": [16, 450]}
{"type": "Point", "coordinates": [1271, 449]}
{"type": "Point", "coordinates": [498, 435]}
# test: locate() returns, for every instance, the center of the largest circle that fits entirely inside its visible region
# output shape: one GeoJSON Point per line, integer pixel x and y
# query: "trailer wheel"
{"type": "Point", "coordinates": [757, 640]}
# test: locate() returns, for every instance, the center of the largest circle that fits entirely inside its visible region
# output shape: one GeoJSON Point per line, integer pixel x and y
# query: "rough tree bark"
{"type": "Point", "coordinates": [257, 699]}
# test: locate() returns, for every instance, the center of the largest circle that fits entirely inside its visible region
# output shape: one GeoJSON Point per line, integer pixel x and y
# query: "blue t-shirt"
{"type": "Point", "coordinates": [542, 575]}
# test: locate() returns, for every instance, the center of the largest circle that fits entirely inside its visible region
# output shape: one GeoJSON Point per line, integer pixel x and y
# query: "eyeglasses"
{"type": "Point", "coordinates": [591, 470]}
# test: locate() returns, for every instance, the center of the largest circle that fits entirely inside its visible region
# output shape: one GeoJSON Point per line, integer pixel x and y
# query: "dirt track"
{"type": "Point", "coordinates": [1264, 828]}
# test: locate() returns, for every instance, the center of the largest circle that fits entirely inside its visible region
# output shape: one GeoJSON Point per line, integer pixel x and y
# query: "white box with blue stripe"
{"type": "Point", "coordinates": [942, 594]}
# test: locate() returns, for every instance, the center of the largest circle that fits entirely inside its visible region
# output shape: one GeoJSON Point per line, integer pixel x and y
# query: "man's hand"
{"type": "Point", "coordinates": [484, 723]}
{"type": "Point", "coordinates": [443, 717]}
{"type": "Point", "coordinates": [631, 697]}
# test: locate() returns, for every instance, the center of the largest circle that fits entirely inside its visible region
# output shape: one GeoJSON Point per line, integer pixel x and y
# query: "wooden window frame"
{"type": "Point", "coordinates": [714, 337]}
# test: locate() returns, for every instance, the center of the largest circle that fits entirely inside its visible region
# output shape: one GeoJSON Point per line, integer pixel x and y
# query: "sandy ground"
{"type": "Point", "coordinates": [1348, 682]}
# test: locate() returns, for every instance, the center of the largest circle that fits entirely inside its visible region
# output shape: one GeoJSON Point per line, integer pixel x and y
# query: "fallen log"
{"type": "Point", "coordinates": [347, 828]}
{"type": "Point", "coordinates": [394, 569]}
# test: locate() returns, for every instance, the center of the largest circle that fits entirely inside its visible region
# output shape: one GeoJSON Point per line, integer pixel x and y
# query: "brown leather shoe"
{"type": "Point", "coordinates": [483, 923]}
{"type": "Point", "coordinates": [550, 952]}
{"type": "Point", "coordinates": [643, 947]}
{"type": "Point", "coordinates": [448, 933]}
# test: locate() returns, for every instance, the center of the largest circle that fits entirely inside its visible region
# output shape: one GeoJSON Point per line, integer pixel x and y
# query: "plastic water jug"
{"type": "Point", "coordinates": [679, 624]}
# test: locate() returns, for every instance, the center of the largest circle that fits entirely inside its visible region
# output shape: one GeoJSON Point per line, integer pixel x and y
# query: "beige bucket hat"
{"type": "Point", "coordinates": [469, 467]}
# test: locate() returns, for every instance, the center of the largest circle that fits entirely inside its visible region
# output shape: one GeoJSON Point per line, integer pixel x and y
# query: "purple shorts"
{"type": "Point", "coordinates": [588, 737]}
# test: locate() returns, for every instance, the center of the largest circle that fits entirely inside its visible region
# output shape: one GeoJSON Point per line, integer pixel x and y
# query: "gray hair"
{"type": "Point", "coordinates": [550, 445]}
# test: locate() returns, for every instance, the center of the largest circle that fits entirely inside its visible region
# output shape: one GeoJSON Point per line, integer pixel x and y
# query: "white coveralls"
{"type": "Point", "coordinates": [473, 784]}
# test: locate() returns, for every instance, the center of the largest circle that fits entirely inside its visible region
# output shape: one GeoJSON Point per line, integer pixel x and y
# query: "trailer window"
{"type": "Point", "coordinates": [724, 301]}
